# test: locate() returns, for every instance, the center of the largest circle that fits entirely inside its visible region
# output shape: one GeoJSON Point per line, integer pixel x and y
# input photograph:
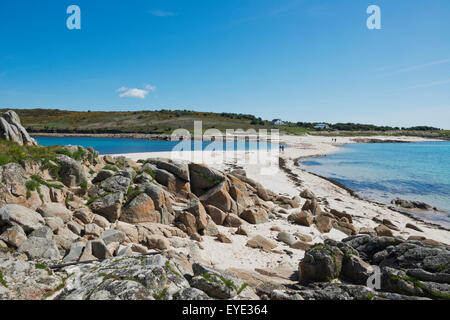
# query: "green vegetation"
{"type": "Point", "coordinates": [92, 199]}
{"type": "Point", "coordinates": [59, 287]}
{"type": "Point", "coordinates": [228, 283]}
{"type": "Point", "coordinates": [171, 269]}
{"type": "Point", "coordinates": [109, 167]}
{"type": "Point", "coordinates": [3, 249]}
{"type": "Point", "coordinates": [84, 186]}
{"type": "Point", "coordinates": [43, 266]}
{"type": "Point", "coordinates": [11, 152]}
{"type": "Point", "coordinates": [35, 183]}
{"type": "Point", "coordinates": [418, 284]}
{"type": "Point", "coordinates": [33, 186]}
{"type": "Point", "coordinates": [160, 296]}
{"type": "Point", "coordinates": [131, 194]}
{"type": "Point", "coordinates": [2, 281]}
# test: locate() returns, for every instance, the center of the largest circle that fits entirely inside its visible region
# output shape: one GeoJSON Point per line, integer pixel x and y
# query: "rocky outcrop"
{"type": "Point", "coordinates": [11, 129]}
{"type": "Point", "coordinates": [412, 204]}
{"type": "Point", "coordinates": [135, 224]}
{"type": "Point", "coordinates": [406, 269]}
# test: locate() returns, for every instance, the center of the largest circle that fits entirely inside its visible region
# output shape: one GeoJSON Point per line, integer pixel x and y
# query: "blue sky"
{"type": "Point", "coordinates": [299, 60]}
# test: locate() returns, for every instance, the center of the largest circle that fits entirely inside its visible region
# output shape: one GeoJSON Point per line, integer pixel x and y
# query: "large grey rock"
{"type": "Point", "coordinates": [177, 167]}
{"type": "Point", "coordinates": [125, 278]}
{"type": "Point", "coordinates": [12, 214]}
{"type": "Point", "coordinates": [103, 175]}
{"type": "Point", "coordinates": [286, 237]}
{"type": "Point", "coordinates": [75, 252]}
{"type": "Point", "coordinates": [109, 206]}
{"type": "Point", "coordinates": [11, 129]}
{"type": "Point", "coordinates": [52, 209]}
{"type": "Point", "coordinates": [25, 281]}
{"type": "Point", "coordinates": [40, 248]}
{"type": "Point", "coordinates": [117, 183]}
{"type": "Point", "coordinates": [355, 270]}
{"type": "Point", "coordinates": [14, 236]}
{"type": "Point", "coordinates": [217, 284]}
{"type": "Point", "coordinates": [321, 263]}
{"type": "Point", "coordinates": [191, 294]}
{"type": "Point", "coordinates": [71, 171]}
{"type": "Point", "coordinates": [43, 232]}
{"type": "Point", "coordinates": [111, 235]}
{"type": "Point", "coordinates": [204, 177]}
{"type": "Point", "coordinates": [100, 250]}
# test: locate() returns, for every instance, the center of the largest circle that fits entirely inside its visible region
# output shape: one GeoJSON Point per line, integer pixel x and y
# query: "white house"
{"type": "Point", "coordinates": [277, 122]}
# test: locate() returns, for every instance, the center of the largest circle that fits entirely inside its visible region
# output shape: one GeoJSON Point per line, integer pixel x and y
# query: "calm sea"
{"type": "Point", "coordinates": [383, 171]}
{"type": "Point", "coordinates": [124, 145]}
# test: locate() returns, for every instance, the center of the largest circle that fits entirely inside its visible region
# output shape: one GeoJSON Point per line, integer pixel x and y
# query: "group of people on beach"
{"type": "Point", "coordinates": [282, 147]}
{"type": "Point", "coordinates": [333, 140]}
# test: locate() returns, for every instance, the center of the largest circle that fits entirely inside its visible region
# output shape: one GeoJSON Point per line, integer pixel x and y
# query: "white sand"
{"type": "Point", "coordinates": [238, 255]}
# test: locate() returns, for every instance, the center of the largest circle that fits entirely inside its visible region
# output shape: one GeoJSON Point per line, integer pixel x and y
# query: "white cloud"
{"type": "Point", "coordinates": [162, 13]}
{"type": "Point", "coordinates": [134, 93]}
{"type": "Point", "coordinates": [122, 89]}
{"type": "Point", "coordinates": [150, 87]}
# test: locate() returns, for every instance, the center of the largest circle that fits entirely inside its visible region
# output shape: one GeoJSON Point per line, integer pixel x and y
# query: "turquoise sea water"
{"type": "Point", "coordinates": [123, 145]}
{"type": "Point", "coordinates": [383, 171]}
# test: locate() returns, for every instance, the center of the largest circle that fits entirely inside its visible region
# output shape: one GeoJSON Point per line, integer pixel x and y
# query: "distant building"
{"type": "Point", "coordinates": [321, 126]}
{"type": "Point", "coordinates": [277, 122]}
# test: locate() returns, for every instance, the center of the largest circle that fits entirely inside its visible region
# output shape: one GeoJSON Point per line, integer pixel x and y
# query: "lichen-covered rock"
{"type": "Point", "coordinates": [12, 214]}
{"type": "Point", "coordinates": [177, 167]}
{"type": "Point", "coordinates": [24, 281]}
{"type": "Point", "coordinates": [321, 263]}
{"type": "Point", "coordinates": [109, 206]}
{"type": "Point", "coordinates": [124, 278]}
{"type": "Point", "coordinates": [217, 284]}
{"type": "Point", "coordinates": [52, 209]}
{"type": "Point", "coordinates": [40, 248]}
{"type": "Point", "coordinates": [14, 236]}
{"type": "Point", "coordinates": [140, 209]}
{"type": "Point", "coordinates": [71, 171]}
{"type": "Point", "coordinates": [203, 177]}
{"type": "Point", "coordinates": [120, 182]}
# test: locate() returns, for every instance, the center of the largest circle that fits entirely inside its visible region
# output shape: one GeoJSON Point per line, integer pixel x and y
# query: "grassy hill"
{"type": "Point", "coordinates": [165, 121]}
{"type": "Point", "coordinates": [154, 122]}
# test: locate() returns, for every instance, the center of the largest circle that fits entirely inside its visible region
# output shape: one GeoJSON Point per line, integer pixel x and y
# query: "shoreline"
{"type": "Point", "coordinates": [291, 180]}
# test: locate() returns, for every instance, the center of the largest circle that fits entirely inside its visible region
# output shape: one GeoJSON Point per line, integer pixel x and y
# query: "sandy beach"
{"type": "Point", "coordinates": [290, 181]}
